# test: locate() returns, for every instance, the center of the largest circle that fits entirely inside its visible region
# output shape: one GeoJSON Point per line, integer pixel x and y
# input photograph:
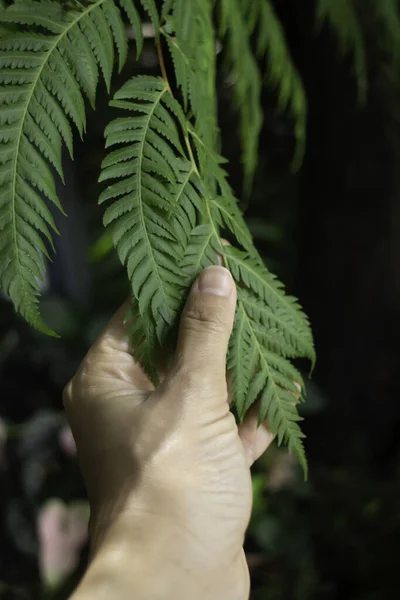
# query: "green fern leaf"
{"type": "Point", "coordinates": [145, 195]}
{"type": "Point", "coordinates": [42, 77]}
{"type": "Point", "coordinates": [343, 19]}
{"type": "Point", "coordinates": [246, 81]}
{"type": "Point", "coordinates": [387, 14]}
{"type": "Point", "coordinates": [282, 74]}
{"type": "Point", "coordinates": [190, 36]}
{"type": "Point", "coordinates": [259, 372]}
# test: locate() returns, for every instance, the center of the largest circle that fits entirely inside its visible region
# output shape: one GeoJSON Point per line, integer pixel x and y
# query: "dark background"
{"type": "Point", "coordinates": [331, 232]}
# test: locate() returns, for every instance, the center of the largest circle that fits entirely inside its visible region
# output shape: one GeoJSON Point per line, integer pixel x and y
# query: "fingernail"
{"type": "Point", "coordinates": [216, 281]}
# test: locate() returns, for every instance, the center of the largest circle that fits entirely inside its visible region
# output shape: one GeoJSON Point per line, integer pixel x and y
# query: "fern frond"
{"type": "Point", "coordinates": [190, 36]}
{"type": "Point", "coordinates": [268, 377]}
{"type": "Point", "coordinates": [260, 373]}
{"type": "Point", "coordinates": [387, 14]}
{"type": "Point", "coordinates": [246, 80]}
{"type": "Point", "coordinates": [43, 77]}
{"type": "Point", "coordinates": [145, 232]}
{"type": "Point", "coordinates": [343, 19]}
{"type": "Point", "coordinates": [282, 74]}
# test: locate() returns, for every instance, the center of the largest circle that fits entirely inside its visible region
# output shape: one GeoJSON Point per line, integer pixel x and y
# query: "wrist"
{"type": "Point", "coordinates": [139, 553]}
{"type": "Point", "coordinates": [140, 563]}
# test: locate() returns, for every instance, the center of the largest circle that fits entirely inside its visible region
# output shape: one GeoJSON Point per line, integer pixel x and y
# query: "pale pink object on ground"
{"type": "Point", "coordinates": [67, 441]}
{"type": "Point", "coordinates": [62, 531]}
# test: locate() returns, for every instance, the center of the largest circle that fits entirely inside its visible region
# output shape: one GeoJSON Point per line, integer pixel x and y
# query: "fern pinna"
{"type": "Point", "coordinates": [167, 199]}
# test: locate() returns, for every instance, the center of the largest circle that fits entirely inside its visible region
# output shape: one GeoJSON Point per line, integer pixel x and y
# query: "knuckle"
{"type": "Point", "coordinates": [188, 381]}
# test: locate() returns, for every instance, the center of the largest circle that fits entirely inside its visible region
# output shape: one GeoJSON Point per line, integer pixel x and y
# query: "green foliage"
{"type": "Point", "coordinates": [387, 13]}
{"type": "Point", "coordinates": [168, 197]}
{"type": "Point", "coordinates": [282, 73]}
{"type": "Point", "coordinates": [342, 18]}
{"type": "Point", "coordinates": [44, 77]}
{"type": "Point", "coordinates": [190, 36]}
{"type": "Point", "coordinates": [246, 78]}
{"type": "Point", "coordinates": [241, 19]}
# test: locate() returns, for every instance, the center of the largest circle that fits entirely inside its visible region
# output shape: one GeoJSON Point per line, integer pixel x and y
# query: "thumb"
{"type": "Point", "coordinates": [206, 326]}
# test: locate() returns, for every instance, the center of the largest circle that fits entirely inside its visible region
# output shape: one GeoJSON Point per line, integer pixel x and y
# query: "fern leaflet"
{"type": "Point", "coordinates": [246, 81]}
{"type": "Point", "coordinates": [190, 37]}
{"type": "Point", "coordinates": [388, 16]}
{"type": "Point", "coordinates": [282, 73]}
{"type": "Point", "coordinates": [343, 18]}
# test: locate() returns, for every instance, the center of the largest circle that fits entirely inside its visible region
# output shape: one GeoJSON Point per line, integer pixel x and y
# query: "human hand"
{"type": "Point", "coordinates": [166, 470]}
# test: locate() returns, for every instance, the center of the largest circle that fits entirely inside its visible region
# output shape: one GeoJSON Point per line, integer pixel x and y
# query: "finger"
{"type": "Point", "coordinates": [114, 336]}
{"type": "Point", "coordinates": [206, 326]}
{"type": "Point", "coordinates": [111, 354]}
{"type": "Point", "coordinates": [255, 439]}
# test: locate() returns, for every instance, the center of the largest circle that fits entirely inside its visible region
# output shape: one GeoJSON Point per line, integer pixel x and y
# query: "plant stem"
{"type": "Point", "coordinates": [162, 65]}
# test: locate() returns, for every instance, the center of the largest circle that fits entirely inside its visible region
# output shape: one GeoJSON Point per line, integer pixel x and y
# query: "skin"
{"type": "Point", "coordinates": [167, 469]}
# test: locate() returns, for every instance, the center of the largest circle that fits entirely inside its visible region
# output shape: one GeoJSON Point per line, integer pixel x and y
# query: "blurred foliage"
{"type": "Point", "coordinates": [331, 231]}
